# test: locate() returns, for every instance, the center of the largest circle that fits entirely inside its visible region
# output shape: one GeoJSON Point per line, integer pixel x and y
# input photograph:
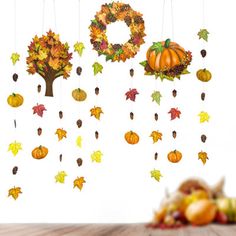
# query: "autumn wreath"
{"type": "Point", "coordinates": [111, 13]}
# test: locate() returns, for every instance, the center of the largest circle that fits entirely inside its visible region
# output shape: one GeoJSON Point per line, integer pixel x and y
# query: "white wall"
{"type": "Point", "coordinates": [120, 188]}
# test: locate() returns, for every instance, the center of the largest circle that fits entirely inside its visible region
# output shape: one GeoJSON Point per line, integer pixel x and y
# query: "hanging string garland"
{"type": "Point", "coordinates": [15, 100]}
{"type": "Point", "coordinates": [204, 76]}
{"type": "Point", "coordinates": [110, 13]}
{"type": "Point", "coordinates": [96, 112]}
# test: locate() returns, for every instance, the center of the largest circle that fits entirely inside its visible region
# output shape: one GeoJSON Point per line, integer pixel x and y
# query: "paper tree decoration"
{"type": "Point", "coordinates": [50, 58]}
{"type": "Point", "coordinates": [166, 60]}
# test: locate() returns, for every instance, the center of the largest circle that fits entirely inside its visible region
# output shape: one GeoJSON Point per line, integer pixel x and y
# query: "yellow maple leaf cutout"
{"type": "Point", "coordinates": [42, 55]}
{"type": "Point", "coordinates": [15, 147]}
{"type": "Point", "coordinates": [54, 63]}
{"type": "Point", "coordinates": [203, 157]}
{"type": "Point", "coordinates": [79, 141]}
{"type": "Point", "coordinates": [156, 174]}
{"type": "Point", "coordinates": [204, 116]}
{"type": "Point", "coordinates": [79, 48]}
{"type": "Point", "coordinates": [15, 57]}
{"type": "Point", "coordinates": [156, 135]}
{"type": "Point", "coordinates": [60, 177]}
{"type": "Point", "coordinates": [14, 192]}
{"type": "Point", "coordinates": [61, 133]}
{"type": "Point", "coordinates": [96, 112]}
{"type": "Point", "coordinates": [79, 182]}
{"type": "Point", "coordinates": [97, 156]}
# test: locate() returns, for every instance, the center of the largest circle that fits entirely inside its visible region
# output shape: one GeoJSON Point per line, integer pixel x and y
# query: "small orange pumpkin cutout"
{"type": "Point", "coordinates": [131, 137]}
{"type": "Point", "coordinates": [174, 156]}
{"type": "Point", "coordinates": [39, 152]}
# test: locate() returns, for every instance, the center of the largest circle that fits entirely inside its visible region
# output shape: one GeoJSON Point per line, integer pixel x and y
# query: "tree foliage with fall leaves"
{"type": "Point", "coordinates": [50, 58]}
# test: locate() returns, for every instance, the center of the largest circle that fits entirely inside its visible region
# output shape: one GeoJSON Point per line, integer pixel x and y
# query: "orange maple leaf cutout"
{"type": "Point", "coordinates": [14, 192]}
{"type": "Point", "coordinates": [79, 182]}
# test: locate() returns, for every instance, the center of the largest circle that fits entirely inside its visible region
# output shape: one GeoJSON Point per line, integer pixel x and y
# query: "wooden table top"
{"type": "Point", "coordinates": [110, 230]}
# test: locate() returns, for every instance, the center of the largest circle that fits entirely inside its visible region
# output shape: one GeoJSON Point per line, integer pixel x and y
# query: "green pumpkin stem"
{"type": "Point", "coordinates": [13, 94]}
{"type": "Point", "coordinates": [167, 43]}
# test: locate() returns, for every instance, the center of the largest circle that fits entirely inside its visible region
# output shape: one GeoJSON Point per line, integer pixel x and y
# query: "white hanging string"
{"type": "Point", "coordinates": [163, 18]}
{"type": "Point", "coordinates": [15, 25]}
{"type": "Point", "coordinates": [55, 16]}
{"type": "Point", "coordinates": [172, 19]}
{"type": "Point", "coordinates": [79, 12]}
{"type": "Point", "coordinates": [43, 15]}
{"type": "Point", "coordinates": [203, 13]}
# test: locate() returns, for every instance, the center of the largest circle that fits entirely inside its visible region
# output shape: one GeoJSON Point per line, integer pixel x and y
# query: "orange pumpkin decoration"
{"type": "Point", "coordinates": [131, 137]}
{"type": "Point", "coordinates": [15, 100]}
{"type": "Point", "coordinates": [39, 152]}
{"type": "Point", "coordinates": [174, 156]}
{"type": "Point", "coordinates": [167, 59]}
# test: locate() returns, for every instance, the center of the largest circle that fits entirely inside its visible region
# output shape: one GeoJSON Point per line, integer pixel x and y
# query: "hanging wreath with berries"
{"type": "Point", "coordinates": [111, 13]}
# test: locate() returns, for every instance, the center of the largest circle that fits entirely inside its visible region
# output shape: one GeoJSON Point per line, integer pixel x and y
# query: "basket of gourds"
{"type": "Point", "coordinates": [195, 203]}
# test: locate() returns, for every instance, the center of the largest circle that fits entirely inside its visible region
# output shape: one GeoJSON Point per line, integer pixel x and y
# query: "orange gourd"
{"type": "Point", "coordinates": [15, 100]}
{"type": "Point", "coordinates": [174, 156]}
{"type": "Point", "coordinates": [39, 152]}
{"type": "Point", "coordinates": [201, 212]}
{"type": "Point", "coordinates": [204, 75]}
{"type": "Point", "coordinates": [79, 94]}
{"type": "Point", "coordinates": [131, 137]}
{"type": "Point", "coordinates": [168, 58]}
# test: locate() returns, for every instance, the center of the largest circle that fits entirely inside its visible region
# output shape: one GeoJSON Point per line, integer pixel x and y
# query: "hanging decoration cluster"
{"type": "Point", "coordinates": [50, 58]}
{"type": "Point", "coordinates": [203, 75]}
{"type": "Point", "coordinates": [15, 101]}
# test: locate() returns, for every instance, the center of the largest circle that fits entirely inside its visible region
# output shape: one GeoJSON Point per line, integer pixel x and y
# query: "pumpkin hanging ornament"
{"type": "Point", "coordinates": [39, 152]}
{"type": "Point", "coordinates": [167, 60]}
{"type": "Point", "coordinates": [131, 137]}
{"type": "Point", "coordinates": [203, 75]}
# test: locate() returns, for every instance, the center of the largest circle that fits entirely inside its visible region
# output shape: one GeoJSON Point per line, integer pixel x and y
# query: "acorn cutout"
{"type": "Point", "coordinates": [131, 72]}
{"type": "Point", "coordinates": [174, 134]}
{"type": "Point", "coordinates": [39, 88]}
{"type": "Point", "coordinates": [203, 53]}
{"type": "Point", "coordinates": [156, 156]}
{"type": "Point", "coordinates": [203, 138]}
{"type": "Point", "coordinates": [79, 123]}
{"type": "Point", "coordinates": [131, 115]}
{"type": "Point", "coordinates": [96, 134]}
{"type": "Point", "coordinates": [174, 93]}
{"type": "Point", "coordinates": [15, 77]}
{"type": "Point", "coordinates": [156, 116]}
{"type": "Point", "coordinates": [79, 162]}
{"type": "Point", "coordinates": [60, 114]}
{"type": "Point", "coordinates": [14, 170]}
{"type": "Point", "coordinates": [96, 90]}
{"type": "Point", "coordinates": [203, 95]}
{"type": "Point", "coordinates": [60, 157]}
{"type": "Point", "coordinates": [39, 130]}
{"type": "Point", "coordinates": [78, 70]}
